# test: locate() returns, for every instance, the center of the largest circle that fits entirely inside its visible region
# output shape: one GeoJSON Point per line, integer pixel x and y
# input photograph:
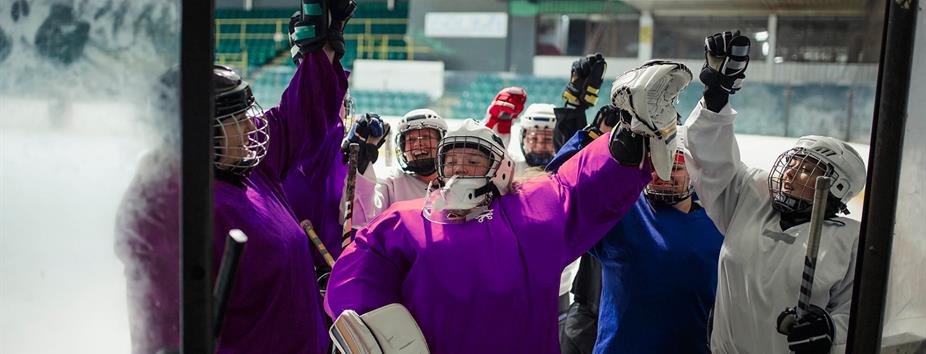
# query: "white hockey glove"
{"type": "Point", "coordinates": [649, 94]}
{"type": "Point", "coordinates": [390, 329]}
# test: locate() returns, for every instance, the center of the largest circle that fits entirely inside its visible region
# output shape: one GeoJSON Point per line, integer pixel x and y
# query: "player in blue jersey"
{"type": "Point", "coordinates": [659, 263]}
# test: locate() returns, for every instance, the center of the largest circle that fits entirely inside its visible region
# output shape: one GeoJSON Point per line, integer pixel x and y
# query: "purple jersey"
{"type": "Point", "coordinates": [275, 306]}
{"type": "Point", "coordinates": [491, 284]}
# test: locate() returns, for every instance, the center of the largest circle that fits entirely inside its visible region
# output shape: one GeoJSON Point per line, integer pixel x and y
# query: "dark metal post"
{"type": "Point", "coordinates": [874, 252]}
{"type": "Point", "coordinates": [196, 57]}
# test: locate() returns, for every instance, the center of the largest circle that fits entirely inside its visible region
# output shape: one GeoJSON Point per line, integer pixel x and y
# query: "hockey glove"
{"type": "Point", "coordinates": [368, 128]}
{"type": "Point", "coordinates": [585, 81]}
{"type": "Point", "coordinates": [308, 28]}
{"type": "Point", "coordinates": [605, 120]}
{"type": "Point", "coordinates": [811, 334]}
{"type": "Point", "coordinates": [341, 12]}
{"type": "Point", "coordinates": [726, 58]}
{"type": "Point", "coordinates": [505, 108]}
{"type": "Point", "coordinates": [627, 147]}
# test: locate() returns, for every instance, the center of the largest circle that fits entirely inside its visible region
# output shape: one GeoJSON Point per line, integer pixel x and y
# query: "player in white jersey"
{"type": "Point", "coordinates": [416, 140]}
{"type": "Point", "coordinates": [764, 217]}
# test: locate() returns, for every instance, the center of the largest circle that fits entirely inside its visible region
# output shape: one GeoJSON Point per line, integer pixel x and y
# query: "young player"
{"type": "Point", "coordinates": [536, 143]}
{"type": "Point", "coordinates": [764, 219]}
{"type": "Point", "coordinates": [658, 263]}
{"type": "Point", "coordinates": [481, 251]}
{"type": "Point", "coordinates": [275, 305]}
{"type": "Point", "coordinates": [416, 139]}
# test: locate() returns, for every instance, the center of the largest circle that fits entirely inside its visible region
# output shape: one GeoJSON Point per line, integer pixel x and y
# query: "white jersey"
{"type": "Point", "coordinates": [760, 265]}
{"type": "Point", "coordinates": [373, 195]}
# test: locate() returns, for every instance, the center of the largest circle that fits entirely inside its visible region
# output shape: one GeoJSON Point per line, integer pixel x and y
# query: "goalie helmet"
{"type": "Point", "coordinates": [537, 124]}
{"type": "Point", "coordinates": [649, 93]}
{"type": "Point", "coordinates": [464, 193]}
{"type": "Point", "coordinates": [240, 135]}
{"type": "Point", "coordinates": [793, 176]}
{"type": "Point", "coordinates": [676, 189]}
{"type": "Point", "coordinates": [426, 163]}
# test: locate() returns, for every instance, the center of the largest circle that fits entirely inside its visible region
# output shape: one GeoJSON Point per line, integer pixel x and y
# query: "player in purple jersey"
{"type": "Point", "coordinates": [275, 306]}
{"type": "Point", "coordinates": [477, 264]}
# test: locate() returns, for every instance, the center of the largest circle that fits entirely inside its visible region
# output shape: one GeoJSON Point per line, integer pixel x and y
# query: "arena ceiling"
{"type": "Point", "coordinates": [756, 7]}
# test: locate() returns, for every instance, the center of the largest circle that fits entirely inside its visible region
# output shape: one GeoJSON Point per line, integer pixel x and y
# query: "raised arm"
{"type": "Point", "coordinates": [718, 174]}
{"type": "Point", "coordinates": [580, 93]}
{"type": "Point", "coordinates": [596, 191]}
{"type": "Point", "coordinates": [307, 118]}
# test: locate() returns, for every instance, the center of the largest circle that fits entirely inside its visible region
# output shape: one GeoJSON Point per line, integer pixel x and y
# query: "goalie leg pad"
{"type": "Point", "coordinates": [390, 329]}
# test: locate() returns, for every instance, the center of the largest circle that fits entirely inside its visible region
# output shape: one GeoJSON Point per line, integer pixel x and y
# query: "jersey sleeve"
{"type": "Point", "coordinates": [717, 173]}
{"type": "Point", "coordinates": [595, 191]}
{"type": "Point", "coordinates": [353, 286]}
{"type": "Point", "coordinates": [372, 196]}
{"type": "Point", "coordinates": [840, 302]}
{"type": "Point", "coordinates": [308, 111]}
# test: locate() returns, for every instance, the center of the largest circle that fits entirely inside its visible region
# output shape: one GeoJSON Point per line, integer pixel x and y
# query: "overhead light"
{"type": "Point", "coordinates": [779, 60]}
{"type": "Point", "coordinates": [761, 36]}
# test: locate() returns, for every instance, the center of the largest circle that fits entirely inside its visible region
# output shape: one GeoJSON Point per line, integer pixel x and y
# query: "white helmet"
{"type": "Point", "coordinates": [649, 93]}
{"type": "Point", "coordinates": [464, 195]}
{"type": "Point", "coordinates": [538, 116]}
{"type": "Point", "coordinates": [415, 120]}
{"type": "Point", "coordinates": [833, 157]}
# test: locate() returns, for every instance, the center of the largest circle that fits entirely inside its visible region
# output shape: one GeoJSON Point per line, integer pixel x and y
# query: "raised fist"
{"type": "Point", "coordinates": [308, 28]}
{"type": "Point", "coordinates": [506, 107]}
{"type": "Point", "coordinates": [585, 81]}
{"type": "Point", "coordinates": [726, 58]}
{"type": "Point", "coordinates": [369, 131]}
{"type": "Point", "coordinates": [341, 12]}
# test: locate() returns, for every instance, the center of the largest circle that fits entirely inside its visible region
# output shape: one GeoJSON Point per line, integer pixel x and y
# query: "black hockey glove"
{"type": "Point", "coordinates": [308, 28]}
{"type": "Point", "coordinates": [726, 58]}
{"type": "Point", "coordinates": [368, 126]}
{"type": "Point", "coordinates": [585, 81]}
{"type": "Point", "coordinates": [627, 147]}
{"type": "Point", "coordinates": [811, 334]}
{"type": "Point", "coordinates": [607, 116]}
{"type": "Point", "coordinates": [341, 12]}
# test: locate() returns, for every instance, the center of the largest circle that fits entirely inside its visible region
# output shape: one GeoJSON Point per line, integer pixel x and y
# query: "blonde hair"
{"type": "Point", "coordinates": [528, 174]}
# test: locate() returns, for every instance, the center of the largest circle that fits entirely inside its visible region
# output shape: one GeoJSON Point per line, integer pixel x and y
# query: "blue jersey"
{"type": "Point", "coordinates": [659, 275]}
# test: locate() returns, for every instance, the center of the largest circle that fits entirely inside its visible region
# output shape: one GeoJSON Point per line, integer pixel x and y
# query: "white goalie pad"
{"type": "Point", "coordinates": [390, 329]}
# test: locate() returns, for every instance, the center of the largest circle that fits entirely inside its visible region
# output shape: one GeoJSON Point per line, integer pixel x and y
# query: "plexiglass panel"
{"type": "Point", "coordinates": [89, 145]}
{"type": "Point", "coordinates": [905, 306]}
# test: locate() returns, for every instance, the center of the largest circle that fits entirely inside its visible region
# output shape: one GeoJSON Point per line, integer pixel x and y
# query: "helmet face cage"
{"type": "Point", "coordinates": [673, 191]}
{"type": "Point", "coordinates": [486, 149]}
{"type": "Point", "coordinates": [425, 163]}
{"type": "Point", "coordinates": [240, 140]}
{"type": "Point", "coordinates": [793, 176]}
{"type": "Point", "coordinates": [532, 137]}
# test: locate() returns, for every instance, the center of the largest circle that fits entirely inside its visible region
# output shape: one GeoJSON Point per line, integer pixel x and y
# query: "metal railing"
{"type": "Point", "coordinates": [368, 44]}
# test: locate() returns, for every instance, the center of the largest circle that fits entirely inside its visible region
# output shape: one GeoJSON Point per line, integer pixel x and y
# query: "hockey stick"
{"type": "Point", "coordinates": [310, 232]}
{"type": "Point", "coordinates": [354, 152]}
{"type": "Point", "coordinates": [818, 213]}
{"type": "Point", "coordinates": [234, 246]}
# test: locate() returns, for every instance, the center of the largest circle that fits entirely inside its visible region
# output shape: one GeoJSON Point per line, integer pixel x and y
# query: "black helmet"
{"type": "Point", "coordinates": [232, 94]}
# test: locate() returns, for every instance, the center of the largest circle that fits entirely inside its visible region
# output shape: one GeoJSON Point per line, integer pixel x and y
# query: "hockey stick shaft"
{"type": "Point", "coordinates": [234, 247]}
{"type": "Point", "coordinates": [818, 213]}
{"type": "Point", "coordinates": [310, 232]}
{"type": "Point", "coordinates": [353, 153]}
